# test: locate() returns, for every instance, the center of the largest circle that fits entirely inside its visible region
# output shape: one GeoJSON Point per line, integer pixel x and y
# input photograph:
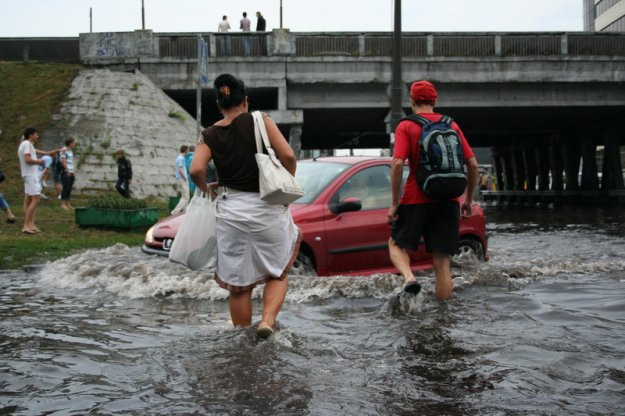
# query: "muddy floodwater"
{"type": "Point", "coordinates": [537, 330]}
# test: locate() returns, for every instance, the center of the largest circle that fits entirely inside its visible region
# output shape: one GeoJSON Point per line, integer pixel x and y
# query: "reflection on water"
{"type": "Point", "coordinates": [539, 329]}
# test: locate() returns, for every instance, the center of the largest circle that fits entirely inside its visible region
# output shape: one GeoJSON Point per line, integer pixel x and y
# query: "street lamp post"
{"type": "Point", "coordinates": [142, 16]}
{"type": "Point", "coordinates": [396, 73]}
{"type": "Point", "coordinates": [280, 14]}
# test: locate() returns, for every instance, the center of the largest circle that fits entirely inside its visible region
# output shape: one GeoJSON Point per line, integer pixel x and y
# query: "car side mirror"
{"type": "Point", "coordinates": [348, 205]}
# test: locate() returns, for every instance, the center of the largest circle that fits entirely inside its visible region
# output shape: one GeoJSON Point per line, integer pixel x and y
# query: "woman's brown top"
{"type": "Point", "coordinates": [233, 148]}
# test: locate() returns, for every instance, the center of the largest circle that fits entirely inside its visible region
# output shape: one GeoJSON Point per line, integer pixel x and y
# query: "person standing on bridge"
{"type": "Point", "coordinates": [225, 44]}
{"type": "Point", "coordinates": [418, 213]}
{"type": "Point", "coordinates": [260, 22]}
{"type": "Point", "coordinates": [247, 41]}
{"type": "Point", "coordinates": [257, 242]}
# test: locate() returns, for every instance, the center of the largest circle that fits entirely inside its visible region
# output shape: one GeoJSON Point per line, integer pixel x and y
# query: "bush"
{"type": "Point", "coordinates": [117, 203]}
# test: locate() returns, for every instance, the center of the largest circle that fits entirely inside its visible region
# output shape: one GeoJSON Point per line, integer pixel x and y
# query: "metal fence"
{"type": "Point", "coordinates": [521, 45]}
{"type": "Point", "coordinates": [319, 45]}
{"type": "Point", "coordinates": [40, 49]}
{"type": "Point", "coordinates": [382, 45]}
{"type": "Point", "coordinates": [596, 45]}
{"type": "Point", "coordinates": [348, 44]}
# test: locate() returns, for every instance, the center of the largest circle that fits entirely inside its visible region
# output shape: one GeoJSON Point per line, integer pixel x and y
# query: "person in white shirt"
{"type": "Point", "coordinates": [30, 173]}
{"type": "Point", "coordinates": [225, 44]}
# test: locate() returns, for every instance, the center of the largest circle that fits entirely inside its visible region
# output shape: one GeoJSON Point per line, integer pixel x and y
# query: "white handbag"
{"type": "Point", "coordinates": [196, 240]}
{"type": "Point", "coordinates": [277, 185]}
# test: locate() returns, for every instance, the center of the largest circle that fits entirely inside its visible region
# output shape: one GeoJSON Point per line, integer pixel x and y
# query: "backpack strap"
{"type": "Point", "coordinates": [416, 118]}
{"type": "Point", "coordinates": [447, 120]}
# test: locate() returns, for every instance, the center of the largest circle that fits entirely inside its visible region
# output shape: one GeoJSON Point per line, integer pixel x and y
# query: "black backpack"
{"type": "Point", "coordinates": [441, 161]}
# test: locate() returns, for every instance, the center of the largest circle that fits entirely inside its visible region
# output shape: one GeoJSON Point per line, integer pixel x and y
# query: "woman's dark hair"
{"type": "Point", "coordinates": [230, 91]}
{"type": "Point", "coordinates": [29, 132]}
{"type": "Point", "coordinates": [69, 141]}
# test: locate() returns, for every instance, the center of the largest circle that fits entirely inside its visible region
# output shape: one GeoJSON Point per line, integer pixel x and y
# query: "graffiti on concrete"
{"type": "Point", "coordinates": [111, 45]}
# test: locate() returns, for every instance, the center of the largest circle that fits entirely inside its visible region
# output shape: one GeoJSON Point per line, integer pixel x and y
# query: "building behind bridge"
{"type": "Point", "coordinates": [604, 15]}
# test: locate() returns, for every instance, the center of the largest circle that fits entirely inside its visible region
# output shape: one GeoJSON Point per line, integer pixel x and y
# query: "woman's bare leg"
{"type": "Point", "coordinates": [273, 298]}
{"type": "Point", "coordinates": [241, 308]}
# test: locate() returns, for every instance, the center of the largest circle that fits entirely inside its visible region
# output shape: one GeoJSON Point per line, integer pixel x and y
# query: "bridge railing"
{"type": "Point", "coordinates": [351, 44]}
{"type": "Point", "coordinates": [177, 45]}
{"type": "Point", "coordinates": [138, 44]}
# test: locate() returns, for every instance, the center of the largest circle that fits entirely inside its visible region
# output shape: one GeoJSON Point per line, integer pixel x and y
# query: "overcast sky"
{"type": "Point", "coordinates": [25, 18]}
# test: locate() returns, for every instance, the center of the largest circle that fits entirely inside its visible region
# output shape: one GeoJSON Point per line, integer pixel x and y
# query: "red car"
{"type": "Point", "coordinates": [343, 219]}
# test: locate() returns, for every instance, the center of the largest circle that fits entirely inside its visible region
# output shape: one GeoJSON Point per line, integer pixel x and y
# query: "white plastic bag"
{"type": "Point", "coordinates": [195, 244]}
{"type": "Point", "coordinates": [277, 185]}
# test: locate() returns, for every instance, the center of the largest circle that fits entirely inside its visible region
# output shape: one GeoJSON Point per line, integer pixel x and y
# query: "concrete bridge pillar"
{"type": "Point", "coordinates": [542, 161]}
{"type": "Point", "coordinates": [518, 167]}
{"type": "Point", "coordinates": [529, 159]}
{"type": "Point", "coordinates": [571, 156]}
{"type": "Point", "coordinates": [555, 161]}
{"type": "Point", "coordinates": [612, 176]}
{"type": "Point", "coordinates": [508, 184]}
{"type": "Point", "coordinates": [499, 171]}
{"type": "Point", "coordinates": [590, 181]}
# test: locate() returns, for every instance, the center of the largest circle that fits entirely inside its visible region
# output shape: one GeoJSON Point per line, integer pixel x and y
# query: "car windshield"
{"type": "Point", "coordinates": [315, 177]}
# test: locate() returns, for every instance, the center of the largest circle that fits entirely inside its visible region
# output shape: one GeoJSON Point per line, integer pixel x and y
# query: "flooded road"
{"type": "Point", "coordinates": [539, 329]}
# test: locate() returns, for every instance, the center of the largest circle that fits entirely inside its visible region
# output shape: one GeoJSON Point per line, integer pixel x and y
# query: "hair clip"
{"type": "Point", "coordinates": [225, 91]}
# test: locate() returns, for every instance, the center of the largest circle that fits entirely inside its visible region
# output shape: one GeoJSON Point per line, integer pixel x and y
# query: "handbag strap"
{"type": "Point", "coordinates": [260, 132]}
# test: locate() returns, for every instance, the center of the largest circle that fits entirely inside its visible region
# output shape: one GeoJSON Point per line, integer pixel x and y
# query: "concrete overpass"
{"type": "Point", "coordinates": [540, 100]}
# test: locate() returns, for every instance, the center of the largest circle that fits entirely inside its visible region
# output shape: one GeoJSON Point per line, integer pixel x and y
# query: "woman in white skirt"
{"type": "Point", "coordinates": [257, 242]}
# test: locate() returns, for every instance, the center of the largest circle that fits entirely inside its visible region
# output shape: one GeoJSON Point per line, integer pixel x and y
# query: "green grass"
{"type": "Point", "coordinates": [30, 93]}
{"type": "Point", "coordinates": [60, 236]}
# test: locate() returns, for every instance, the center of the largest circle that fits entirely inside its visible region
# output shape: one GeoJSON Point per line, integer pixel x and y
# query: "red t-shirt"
{"type": "Point", "coordinates": [407, 136]}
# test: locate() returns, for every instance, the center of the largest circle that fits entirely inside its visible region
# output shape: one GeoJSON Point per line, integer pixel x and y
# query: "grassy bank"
{"type": "Point", "coordinates": [29, 95]}
{"type": "Point", "coordinates": [60, 236]}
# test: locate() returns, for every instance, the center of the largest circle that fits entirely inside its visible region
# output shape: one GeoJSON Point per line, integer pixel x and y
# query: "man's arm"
{"type": "Point", "coordinates": [182, 172]}
{"type": "Point", "coordinates": [397, 169]}
{"type": "Point", "coordinates": [32, 161]}
{"type": "Point", "coordinates": [472, 172]}
{"type": "Point", "coordinates": [63, 160]}
{"type": "Point", "coordinates": [129, 170]}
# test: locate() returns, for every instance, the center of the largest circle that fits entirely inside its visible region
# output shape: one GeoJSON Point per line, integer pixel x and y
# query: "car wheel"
{"type": "Point", "coordinates": [303, 266]}
{"type": "Point", "coordinates": [469, 250]}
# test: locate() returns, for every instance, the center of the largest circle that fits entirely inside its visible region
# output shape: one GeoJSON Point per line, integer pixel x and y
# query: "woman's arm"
{"type": "Point", "coordinates": [197, 170]}
{"type": "Point", "coordinates": [280, 145]}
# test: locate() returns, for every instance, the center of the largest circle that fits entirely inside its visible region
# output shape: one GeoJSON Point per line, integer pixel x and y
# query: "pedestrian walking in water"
{"type": "Point", "coordinates": [260, 22]}
{"type": "Point", "coordinates": [124, 174]}
{"type": "Point", "coordinates": [419, 213]}
{"type": "Point", "coordinates": [257, 242]}
{"type": "Point", "coordinates": [68, 173]}
{"type": "Point", "coordinates": [181, 177]}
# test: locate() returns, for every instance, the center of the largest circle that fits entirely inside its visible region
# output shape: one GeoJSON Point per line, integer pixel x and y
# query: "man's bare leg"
{"type": "Point", "coordinates": [401, 261]}
{"type": "Point", "coordinates": [442, 270]}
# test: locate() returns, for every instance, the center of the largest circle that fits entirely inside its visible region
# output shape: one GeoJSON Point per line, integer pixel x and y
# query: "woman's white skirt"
{"type": "Point", "coordinates": [256, 241]}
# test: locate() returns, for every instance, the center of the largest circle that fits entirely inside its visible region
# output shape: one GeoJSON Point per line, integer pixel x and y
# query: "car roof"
{"type": "Point", "coordinates": [349, 160]}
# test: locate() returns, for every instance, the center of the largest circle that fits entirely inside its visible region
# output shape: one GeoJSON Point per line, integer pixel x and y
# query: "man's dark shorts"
{"type": "Point", "coordinates": [437, 222]}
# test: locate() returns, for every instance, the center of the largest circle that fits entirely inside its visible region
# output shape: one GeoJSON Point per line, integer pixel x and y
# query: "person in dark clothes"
{"type": "Point", "coordinates": [124, 174]}
{"type": "Point", "coordinates": [260, 23]}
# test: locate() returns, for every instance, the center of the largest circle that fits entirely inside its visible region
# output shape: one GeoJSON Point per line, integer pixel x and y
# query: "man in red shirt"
{"type": "Point", "coordinates": [417, 213]}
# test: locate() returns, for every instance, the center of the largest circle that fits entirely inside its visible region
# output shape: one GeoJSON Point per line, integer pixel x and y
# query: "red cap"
{"type": "Point", "coordinates": [423, 91]}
